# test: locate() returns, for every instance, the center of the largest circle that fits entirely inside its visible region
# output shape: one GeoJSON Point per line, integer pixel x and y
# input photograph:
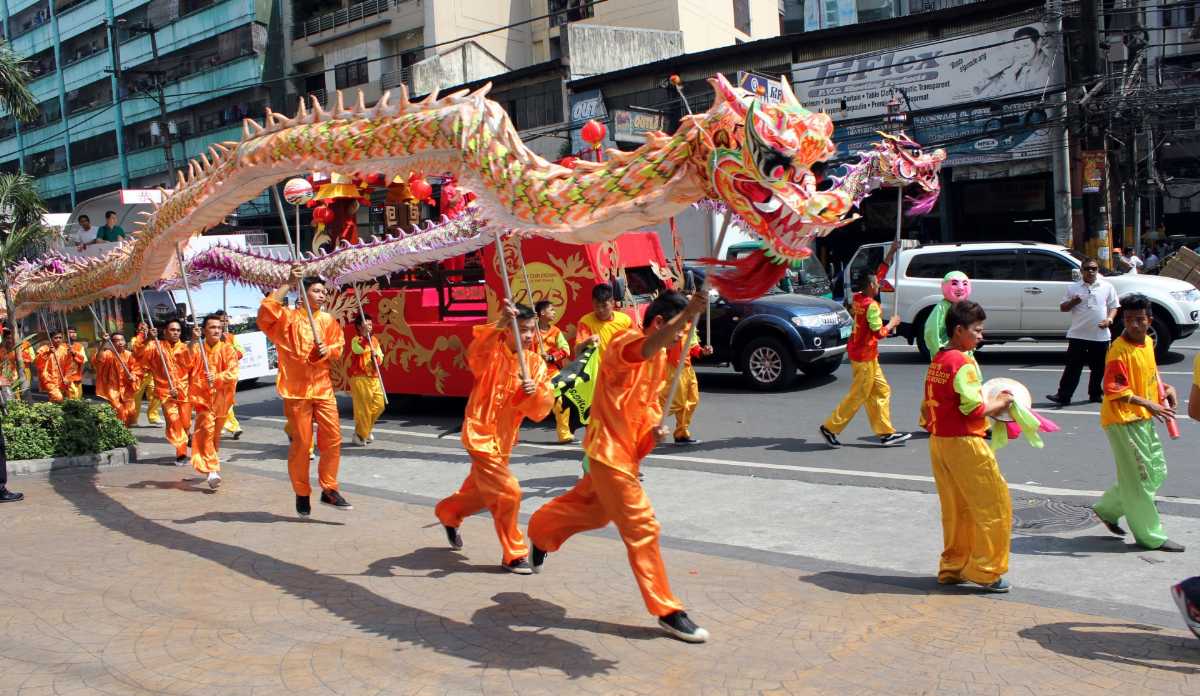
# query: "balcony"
{"type": "Point", "coordinates": [394, 78]}
{"type": "Point", "coordinates": [201, 87]}
{"type": "Point", "coordinates": [54, 185]}
{"type": "Point", "coordinates": [347, 15]}
{"type": "Point", "coordinates": [32, 41]}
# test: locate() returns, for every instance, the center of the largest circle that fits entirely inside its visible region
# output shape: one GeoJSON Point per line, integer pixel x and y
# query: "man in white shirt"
{"type": "Point", "coordinates": [1093, 305]}
{"type": "Point", "coordinates": [85, 234]}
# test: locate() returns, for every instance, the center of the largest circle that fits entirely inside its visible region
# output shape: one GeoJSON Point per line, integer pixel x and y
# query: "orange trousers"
{"type": "Point", "coordinates": [179, 420]}
{"type": "Point", "coordinates": [123, 407]}
{"type": "Point", "coordinates": [604, 495]}
{"type": "Point", "coordinates": [74, 390]}
{"type": "Point", "coordinates": [206, 441]}
{"type": "Point", "coordinates": [301, 413]}
{"type": "Point", "coordinates": [53, 391]}
{"type": "Point", "coordinates": [492, 486]}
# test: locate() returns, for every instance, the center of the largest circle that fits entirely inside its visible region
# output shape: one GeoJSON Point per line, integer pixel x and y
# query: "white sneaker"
{"type": "Point", "coordinates": [214, 480]}
{"type": "Point", "coordinates": [371, 438]}
{"type": "Point", "coordinates": [360, 441]}
{"type": "Point", "coordinates": [312, 455]}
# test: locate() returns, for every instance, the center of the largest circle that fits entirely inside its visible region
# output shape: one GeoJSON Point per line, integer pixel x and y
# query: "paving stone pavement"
{"type": "Point", "coordinates": [135, 581]}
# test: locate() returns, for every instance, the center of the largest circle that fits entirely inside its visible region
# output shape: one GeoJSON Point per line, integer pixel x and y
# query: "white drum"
{"type": "Point", "coordinates": [993, 387]}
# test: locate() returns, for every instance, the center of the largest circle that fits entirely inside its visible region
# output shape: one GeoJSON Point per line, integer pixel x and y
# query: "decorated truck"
{"type": "Point", "coordinates": [424, 317]}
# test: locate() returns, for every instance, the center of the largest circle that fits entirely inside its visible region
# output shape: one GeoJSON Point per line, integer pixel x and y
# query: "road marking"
{"type": "Point", "coordinates": [852, 473]}
{"type": "Point", "coordinates": [1059, 370]}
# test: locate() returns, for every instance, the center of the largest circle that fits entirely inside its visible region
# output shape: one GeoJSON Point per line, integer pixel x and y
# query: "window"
{"type": "Point", "coordinates": [1047, 267]}
{"type": "Point", "coordinates": [741, 16]}
{"type": "Point", "coordinates": [991, 265]}
{"type": "Point", "coordinates": [564, 11]}
{"type": "Point", "coordinates": [931, 265]}
{"type": "Point", "coordinates": [350, 74]}
{"type": "Point", "coordinates": [534, 105]}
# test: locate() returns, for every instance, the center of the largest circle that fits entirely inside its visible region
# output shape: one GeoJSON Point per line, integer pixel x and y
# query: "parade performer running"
{"type": "Point", "coordinates": [10, 365]}
{"type": "Point", "coordinates": [49, 363]}
{"type": "Point", "coordinates": [145, 385]}
{"type": "Point", "coordinates": [73, 365]}
{"type": "Point", "coordinates": [555, 351]}
{"type": "Point", "coordinates": [869, 387]}
{"type": "Point", "coordinates": [366, 391]}
{"type": "Point", "coordinates": [171, 391]}
{"type": "Point", "coordinates": [976, 508]}
{"type": "Point", "coordinates": [1131, 405]}
{"type": "Point", "coordinates": [499, 401]}
{"type": "Point", "coordinates": [306, 386]}
{"type": "Point", "coordinates": [232, 426]}
{"type": "Point", "coordinates": [113, 383]}
{"type": "Point", "coordinates": [625, 426]}
{"type": "Point", "coordinates": [212, 394]}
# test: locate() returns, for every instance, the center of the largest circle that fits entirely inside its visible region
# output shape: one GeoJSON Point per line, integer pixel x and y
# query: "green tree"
{"type": "Point", "coordinates": [15, 96]}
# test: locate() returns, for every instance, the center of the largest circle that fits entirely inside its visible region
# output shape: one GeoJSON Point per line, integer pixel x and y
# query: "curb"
{"type": "Point", "coordinates": [101, 460]}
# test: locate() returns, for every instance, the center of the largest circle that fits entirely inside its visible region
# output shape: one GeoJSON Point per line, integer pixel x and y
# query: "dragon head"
{"type": "Point", "coordinates": [903, 163]}
{"type": "Point", "coordinates": [760, 166]}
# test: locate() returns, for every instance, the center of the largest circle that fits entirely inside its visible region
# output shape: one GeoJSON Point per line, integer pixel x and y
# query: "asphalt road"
{"type": "Point", "coordinates": [774, 435]}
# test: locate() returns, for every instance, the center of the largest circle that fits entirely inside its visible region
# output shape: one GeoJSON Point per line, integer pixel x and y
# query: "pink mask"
{"type": "Point", "coordinates": [956, 286]}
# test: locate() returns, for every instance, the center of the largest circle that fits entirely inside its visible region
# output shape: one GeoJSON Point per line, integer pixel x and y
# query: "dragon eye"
{"type": "Point", "coordinates": [773, 163]}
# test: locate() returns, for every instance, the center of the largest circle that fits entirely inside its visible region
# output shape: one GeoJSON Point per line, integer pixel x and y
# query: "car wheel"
{"type": "Point", "coordinates": [821, 368]}
{"type": "Point", "coordinates": [1160, 332]}
{"type": "Point", "coordinates": [767, 364]}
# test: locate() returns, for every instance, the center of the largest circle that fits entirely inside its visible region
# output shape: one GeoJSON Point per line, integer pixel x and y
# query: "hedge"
{"type": "Point", "coordinates": [69, 429]}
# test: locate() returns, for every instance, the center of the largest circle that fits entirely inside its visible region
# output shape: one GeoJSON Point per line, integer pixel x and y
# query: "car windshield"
{"type": "Point", "coordinates": [1081, 258]}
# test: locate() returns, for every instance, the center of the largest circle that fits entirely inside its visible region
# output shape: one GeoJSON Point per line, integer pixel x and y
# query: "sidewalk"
{"type": "Point", "coordinates": [132, 581]}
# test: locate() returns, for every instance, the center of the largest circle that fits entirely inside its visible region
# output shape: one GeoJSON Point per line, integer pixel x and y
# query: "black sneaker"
{"type": "Point", "coordinates": [336, 500]}
{"type": "Point", "coordinates": [539, 558]}
{"type": "Point", "coordinates": [303, 506]}
{"type": "Point", "coordinates": [1171, 546]}
{"type": "Point", "coordinates": [1114, 528]}
{"type": "Point", "coordinates": [182, 460]}
{"type": "Point", "coordinates": [1095, 399]}
{"type": "Point", "coordinates": [237, 434]}
{"type": "Point", "coordinates": [520, 566]}
{"type": "Point", "coordinates": [894, 438]}
{"type": "Point", "coordinates": [830, 439]}
{"type": "Point", "coordinates": [453, 537]}
{"type": "Point", "coordinates": [1056, 399]}
{"type": "Point", "coordinates": [678, 625]}
{"type": "Point", "coordinates": [7, 496]}
{"type": "Point", "coordinates": [689, 440]}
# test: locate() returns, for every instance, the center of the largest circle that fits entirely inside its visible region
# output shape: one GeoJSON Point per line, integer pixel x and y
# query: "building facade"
{"type": "Point", "coordinates": [187, 73]}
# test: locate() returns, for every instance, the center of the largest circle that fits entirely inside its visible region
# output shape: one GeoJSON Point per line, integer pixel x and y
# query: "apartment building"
{"type": "Point", "coordinates": [189, 71]}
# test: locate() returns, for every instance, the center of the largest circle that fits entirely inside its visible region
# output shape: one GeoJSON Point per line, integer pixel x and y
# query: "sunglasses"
{"type": "Point", "coordinates": [1090, 269]}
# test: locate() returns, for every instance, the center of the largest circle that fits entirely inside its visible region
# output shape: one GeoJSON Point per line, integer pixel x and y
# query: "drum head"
{"type": "Point", "coordinates": [996, 385]}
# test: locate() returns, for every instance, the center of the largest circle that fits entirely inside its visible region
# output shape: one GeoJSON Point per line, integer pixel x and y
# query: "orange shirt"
{"type": "Point", "coordinates": [223, 361]}
{"type": "Point", "coordinates": [626, 407]}
{"type": "Point", "coordinates": [179, 360]}
{"type": "Point", "coordinates": [50, 364]}
{"type": "Point", "coordinates": [361, 364]}
{"type": "Point", "coordinates": [9, 363]}
{"type": "Point", "coordinates": [498, 403]}
{"type": "Point", "coordinates": [111, 379]}
{"type": "Point", "coordinates": [300, 375]}
{"type": "Point", "coordinates": [73, 364]}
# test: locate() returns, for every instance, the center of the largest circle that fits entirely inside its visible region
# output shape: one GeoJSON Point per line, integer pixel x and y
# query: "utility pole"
{"type": "Point", "coordinates": [114, 45]}
{"type": "Point", "coordinates": [168, 147]}
{"type": "Point", "coordinates": [1059, 141]}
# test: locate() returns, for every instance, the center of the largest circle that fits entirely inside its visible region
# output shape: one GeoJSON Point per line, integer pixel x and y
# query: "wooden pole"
{"type": "Point", "coordinates": [300, 283]}
{"type": "Point", "coordinates": [157, 341]}
{"type": "Point", "coordinates": [370, 348]}
{"type": "Point", "coordinates": [508, 296]}
{"type": "Point", "coordinates": [187, 291]}
{"type": "Point", "coordinates": [112, 345]}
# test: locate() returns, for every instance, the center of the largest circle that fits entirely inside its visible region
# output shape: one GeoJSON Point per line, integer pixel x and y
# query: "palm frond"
{"type": "Point", "coordinates": [14, 92]}
{"type": "Point", "coordinates": [20, 203]}
{"type": "Point", "coordinates": [24, 243]}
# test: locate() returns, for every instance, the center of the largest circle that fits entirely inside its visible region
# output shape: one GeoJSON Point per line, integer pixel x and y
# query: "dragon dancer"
{"type": "Point", "coordinates": [626, 424]}
{"type": "Point", "coordinates": [366, 391]}
{"type": "Point", "coordinates": [73, 365]}
{"type": "Point", "coordinates": [49, 361]}
{"type": "Point", "coordinates": [171, 356]}
{"type": "Point", "coordinates": [232, 426]}
{"type": "Point", "coordinates": [213, 382]}
{"type": "Point", "coordinates": [145, 385]}
{"type": "Point", "coordinates": [116, 376]}
{"type": "Point", "coordinates": [306, 385]}
{"type": "Point", "coordinates": [499, 401]}
{"type": "Point", "coordinates": [555, 351]}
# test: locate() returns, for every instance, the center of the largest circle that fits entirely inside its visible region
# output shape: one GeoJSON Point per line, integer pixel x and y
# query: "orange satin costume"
{"type": "Point", "coordinates": [12, 367]}
{"type": "Point", "coordinates": [51, 366]}
{"type": "Point", "coordinates": [178, 411]}
{"type": "Point", "coordinates": [491, 424]}
{"type": "Point", "coordinates": [211, 403]}
{"type": "Point", "coordinates": [626, 409]}
{"type": "Point", "coordinates": [114, 385]}
{"type": "Point", "coordinates": [307, 389]}
{"type": "Point", "coordinates": [73, 370]}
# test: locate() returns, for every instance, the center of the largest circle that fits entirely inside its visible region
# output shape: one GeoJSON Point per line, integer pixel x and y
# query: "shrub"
{"type": "Point", "coordinates": [36, 431]}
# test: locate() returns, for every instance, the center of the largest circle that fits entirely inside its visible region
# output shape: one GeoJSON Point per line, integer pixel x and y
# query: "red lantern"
{"type": "Point", "coordinates": [376, 179]}
{"type": "Point", "coordinates": [419, 187]}
{"type": "Point", "coordinates": [322, 215]}
{"type": "Point", "coordinates": [593, 132]}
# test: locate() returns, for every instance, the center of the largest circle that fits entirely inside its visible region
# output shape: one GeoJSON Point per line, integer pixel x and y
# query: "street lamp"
{"type": "Point", "coordinates": [894, 119]}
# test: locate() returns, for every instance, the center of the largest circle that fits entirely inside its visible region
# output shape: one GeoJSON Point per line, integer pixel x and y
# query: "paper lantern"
{"type": "Point", "coordinates": [420, 188]}
{"type": "Point", "coordinates": [297, 191]}
{"type": "Point", "coordinates": [376, 179]}
{"type": "Point", "coordinates": [322, 214]}
{"type": "Point", "coordinates": [593, 132]}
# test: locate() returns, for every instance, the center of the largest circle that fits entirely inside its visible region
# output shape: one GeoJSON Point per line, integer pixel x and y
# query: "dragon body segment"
{"type": "Point", "coordinates": [755, 158]}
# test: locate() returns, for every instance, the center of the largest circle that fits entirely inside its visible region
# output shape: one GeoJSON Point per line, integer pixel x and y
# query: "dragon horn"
{"type": "Point", "coordinates": [180, 179]}
{"type": "Point", "coordinates": [361, 106]}
{"type": "Point", "coordinates": [788, 95]}
{"type": "Point", "coordinates": [341, 105]}
{"type": "Point", "coordinates": [403, 97]}
{"type": "Point", "coordinates": [251, 128]}
{"type": "Point", "coordinates": [726, 91]}
{"type": "Point", "coordinates": [301, 110]}
{"type": "Point", "coordinates": [319, 112]}
{"type": "Point", "coordinates": [431, 98]}
{"type": "Point", "coordinates": [205, 165]}
{"type": "Point", "coordinates": [382, 105]}
{"type": "Point", "coordinates": [482, 91]}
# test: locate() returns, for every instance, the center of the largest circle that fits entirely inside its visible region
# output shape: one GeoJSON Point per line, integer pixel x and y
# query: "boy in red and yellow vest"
{"type": "Point", "coordinates": [626, 424]}
{"type": "Point", "coordinates": [976, 508]}
{"type": "Point", "coordinates": [499, 401]}
{"type": "Point", "coordinates": [869, 387]}
{"type": "Point", "coordinates": [1131, 405]}
{"type": "Point", "coordinates": [556, 352]}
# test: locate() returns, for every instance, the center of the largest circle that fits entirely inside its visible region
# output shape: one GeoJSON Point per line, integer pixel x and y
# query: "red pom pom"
{"type": "Point", "coordinates": [748, 278]}
{"type": "Point", "coordinates": [420, 188]}
{"type": "Point", "coordinates": [568, 162]}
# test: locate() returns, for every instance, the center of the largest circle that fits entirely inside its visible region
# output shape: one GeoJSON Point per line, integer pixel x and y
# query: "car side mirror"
{"type": "Point", "coordinates": [1076, 276]}
{"type": "Point", "coordinates": [714, 297]}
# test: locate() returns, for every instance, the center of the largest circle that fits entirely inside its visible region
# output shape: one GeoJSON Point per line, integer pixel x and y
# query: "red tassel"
{"type": "Point", "coordinates": [747, 278]}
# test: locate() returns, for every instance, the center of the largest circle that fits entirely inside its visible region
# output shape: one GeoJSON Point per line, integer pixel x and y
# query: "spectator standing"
{"type": "Point", "coordinates": [1093, 305]}
{"type": "Point", "coordinates": [111, 231]}
{"type": "Point", "coordinates": [84, 235]}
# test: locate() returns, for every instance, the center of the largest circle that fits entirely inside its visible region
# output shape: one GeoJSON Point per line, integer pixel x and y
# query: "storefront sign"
{"type": "Point", "coordinates": [1093, 171]}
{"type": "Point", "coordinates": [631, 126]}
{"type": "Point", "coordinates": [772, 90]}
{"type": "Point", "coordinates": [584, 107]}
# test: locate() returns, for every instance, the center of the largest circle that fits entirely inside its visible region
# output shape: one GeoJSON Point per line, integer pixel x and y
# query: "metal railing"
{"type": "Point", "coordinates": [346, 15]}
{"type": "Point", "coordinates": [395, 78]}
